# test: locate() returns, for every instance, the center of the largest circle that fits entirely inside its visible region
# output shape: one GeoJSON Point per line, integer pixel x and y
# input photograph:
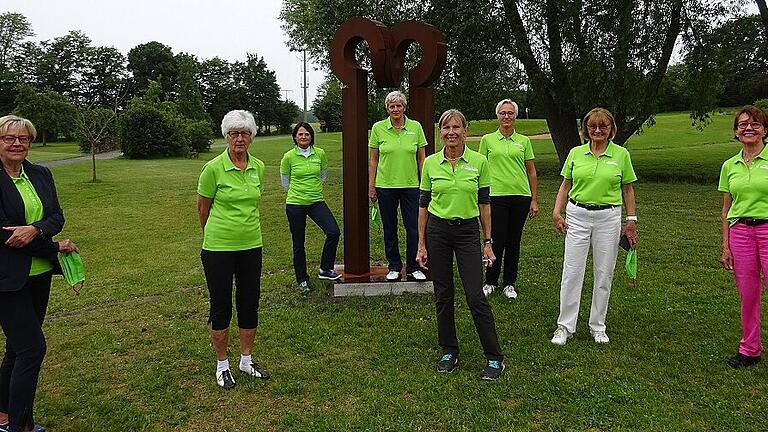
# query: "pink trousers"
{"type": "Point", "coordinates": [749, 247]}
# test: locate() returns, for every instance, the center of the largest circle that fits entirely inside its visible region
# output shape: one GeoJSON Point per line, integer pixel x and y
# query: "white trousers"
{"type": "Point", "coordinates": [601, 229]}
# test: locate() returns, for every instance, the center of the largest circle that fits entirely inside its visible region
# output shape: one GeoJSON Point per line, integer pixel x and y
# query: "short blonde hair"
{"type": "Point", "coordinates": [7, 121]}
{"type": "Point", "coordinates": [394, 97]}
{"type": "Point", "coordinates": [506, 101]}
{"type": "Point", "coordinates": [598, 114]}
{"type": "Point", "coordinates": [451, 114]}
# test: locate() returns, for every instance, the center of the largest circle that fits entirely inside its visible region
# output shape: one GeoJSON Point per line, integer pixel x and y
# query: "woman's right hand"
{"type": "Point", "coordinates": [559, 223]}
{"type": "Point", "coordinates": [726, 259]}
{"type": "Point", "coordinates": [372, 193]}
{"type": "Point", "coordinates": [421, 257]}
{"type": "Point", "coordinates": [67, 246]}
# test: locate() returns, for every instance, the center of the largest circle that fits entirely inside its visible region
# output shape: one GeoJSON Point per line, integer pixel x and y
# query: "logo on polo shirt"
{"type": "Point", "coordinates": [410, 133]}
{"type": "Point", "coordinates": [765, 167]}
{"type": "Point", "coordinates": [253, 175]}
{"type": "Point", "coordinates": [315, 159]}
{"type": "Point", "coordinates": [518, 145]}
{"type": "Point", "coordinates": [611, 163]}
{"type": "Point", "coordinates": [470, 168]}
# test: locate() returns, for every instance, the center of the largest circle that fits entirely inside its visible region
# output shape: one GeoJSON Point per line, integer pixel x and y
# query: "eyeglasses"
{"type": "Point", "coordinates": [235, 134]}
{"type": "Point", "coordinates": [506, 113]}
{"type": "Point", "coordinates": [744, 124]}
{"type": "Point", "coordinates": [596, 127]}
{"type": "Point", "coordinates": [11, 139]}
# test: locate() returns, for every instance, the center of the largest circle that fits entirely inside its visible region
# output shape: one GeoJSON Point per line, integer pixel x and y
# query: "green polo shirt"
{"type": "Point", "coordinates": [397, 153]}
{"type": "Point", "coordinates": [33, 212]}
{"type": "Point", "coordinates": [306, 186]}
{"type": "Point", "coordinates": [234, 222]}
{"type": "Point", "coordinates": [454, 189]}
{"type": "Point", "coordinates": [506, 161]}
{"type": "Point", "coordinates": [748, 185]}
{"type": "Point", "coordinates": [598, 180]}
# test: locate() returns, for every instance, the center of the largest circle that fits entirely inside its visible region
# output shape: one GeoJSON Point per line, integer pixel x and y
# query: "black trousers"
{"type": "Point", "coordinates": [508, 216]}
{"type": "Point", "coordinates": [297, 221]}
{"type": "Point", "coordinates": [220, 267]}
{"type": "Point", "coordinates": [408, 200]}
{"type": "Point", "coordinates": [21, 317]}
{"type": "Point", "coordinates": [443, 241]}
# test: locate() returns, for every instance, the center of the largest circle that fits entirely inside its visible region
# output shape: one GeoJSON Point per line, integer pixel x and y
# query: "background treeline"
{"type": "Point", "coordinates": [68, 87]}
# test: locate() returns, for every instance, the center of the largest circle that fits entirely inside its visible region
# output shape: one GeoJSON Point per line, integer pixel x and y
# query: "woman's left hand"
{"type": "Point", "coordinates": [630, 230]}
{"type": "Point", "coordinates": [533, 210]}
{"type": "Point", "coordinates": [22, 235]}
{"type": "Point", "coordinates": [488, 256]}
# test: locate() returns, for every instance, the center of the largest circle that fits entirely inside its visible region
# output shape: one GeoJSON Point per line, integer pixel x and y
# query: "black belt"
{"type": "Point", "coordinates": [752, 221]}
{"type": "Point", "coordinates": [452, 222]}
{"type": "Point", "coordinates": [591, 206]}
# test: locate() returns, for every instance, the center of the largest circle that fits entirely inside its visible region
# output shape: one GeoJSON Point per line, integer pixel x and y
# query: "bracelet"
{"type": "Point", "coordinates": [631, 218]}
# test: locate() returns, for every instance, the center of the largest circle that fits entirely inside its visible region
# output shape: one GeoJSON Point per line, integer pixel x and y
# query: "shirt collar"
{"type": "Point", "coordinates": [298, 150]}
{"type": "Point", "coordinates": [762, 155]}
{"type": "Point", "coordinates": [464, 156]}
{"type": "Point", "coordinates": [22, 176]}
{"type": "Point", "coordinates": [500, 136]}
{"type": "Point", "coordinates": [405, 122]}
{"type": "Point", "coordinates": [608, 149]}
{"type": "Point", "coordinates": [229, 166]}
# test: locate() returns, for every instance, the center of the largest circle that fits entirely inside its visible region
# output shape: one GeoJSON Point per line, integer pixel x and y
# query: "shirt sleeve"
{"type": "Point", "coordinates": [422, 137]}
{"type": "Point", "coordinates": [723, 184]}
{"type": "Point", "coordinates": [627, 171]}
{"type": "Point", "coordinates": [206, 185]}
{"type": "Point", "coordinates": [323, 160]}
{"type": "Point", "coordinates": [485, 174]}
{"type": "Point", "coordinates": [285, 166]}
{"type": "Point", "coordinates": [483, 150]}
{"type": "Point", "coordinates": [426, 181]}
{"type": "Point", "coordinates": [285, 180]}
{"type": "Point", "coordinates": [260, 171]}
{"type": "Point", "coordinates": [528, 149]}
{"type": "Point", "coordinates": [373, 141]}
{"type": "Point", "coordinates": [567, 171]}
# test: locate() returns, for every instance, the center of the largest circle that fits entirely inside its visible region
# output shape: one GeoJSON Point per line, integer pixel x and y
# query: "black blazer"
{"type": "Point", "coordinates": [16, 262]}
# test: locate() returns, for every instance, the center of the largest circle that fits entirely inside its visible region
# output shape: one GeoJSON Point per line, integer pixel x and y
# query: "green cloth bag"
{"type": "Point", "coordinates": [73, 269]}
{"type": "Point", "coordinates": [631, 264]}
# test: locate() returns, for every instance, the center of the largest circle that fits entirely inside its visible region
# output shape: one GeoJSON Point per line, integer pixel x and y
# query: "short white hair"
{"type": "Point", "coordinates": [506, 101]}
{"type": "Point", "coordinates": [238, 119]}
{"type": "Point", "coordinates": [394, 97]}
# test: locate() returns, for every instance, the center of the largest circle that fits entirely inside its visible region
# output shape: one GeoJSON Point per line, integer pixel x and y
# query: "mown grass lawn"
{"type": "Point", "coordinates": [54, 151]}
{"type": "Point", "coordinates": [132, 353]}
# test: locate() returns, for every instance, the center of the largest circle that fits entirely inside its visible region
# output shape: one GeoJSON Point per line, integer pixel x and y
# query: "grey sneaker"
{"type": "Point", "coordinates": [393, 275]}
{"type": "Point", "coordinates": [328, 275]}
{"type": "Point", "coordinates": [510, 292]}
{"type": "Point", "coordinates": [493, 370]}
{"type": "Point", "coordinates": [304, 287]}
{"type": "Point", "coordinates": [488, 289]}
{"type": "Point", "coordinates": [600, 337]}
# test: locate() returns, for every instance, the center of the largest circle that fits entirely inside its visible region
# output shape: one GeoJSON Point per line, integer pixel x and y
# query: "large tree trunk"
{"type": "Point", "coordinates": [561, 122]}
{"type": "Point", "coordinates": [764, 15]}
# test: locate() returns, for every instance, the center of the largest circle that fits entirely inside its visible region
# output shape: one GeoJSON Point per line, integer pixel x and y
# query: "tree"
{"type": "Point", "coordinates": [153, 61]}
{"type": "Point", "coordinates": [327, 104]}
{"type": "Point", "coordinates": [51, 113]}
{"type": "Point", "coordinates": [259, 88]}
{"type": "Point", "coordinates": [763, 8]}
{"type": "Point", "coordinates": [61, 66]}
{"type": "Point", "coordinates": [97, 130]}
{"type": "Point", "coordinates": [14, 28]}
{"type": "Point", "coordinates": [285, 114]}
{"type": "Point", "coordinates": [104, 78]}
{"type": "Point", "coordinates": [218, 88]}
{"type": "Point", "coordinates": [189, 100]}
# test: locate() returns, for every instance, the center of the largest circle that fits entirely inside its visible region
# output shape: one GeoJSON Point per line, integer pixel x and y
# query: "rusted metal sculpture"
{"type": "Point", "coordinates": [387, 49]}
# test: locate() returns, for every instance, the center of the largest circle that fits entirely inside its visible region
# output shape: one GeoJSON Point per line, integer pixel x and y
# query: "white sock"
{"type": "Point", "coordinates": [245, 361]}
{"type": "Point", "coordinates": [222, 365]}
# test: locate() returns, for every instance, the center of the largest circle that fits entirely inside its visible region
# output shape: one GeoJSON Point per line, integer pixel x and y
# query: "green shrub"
{"type": "Point", "coordinates": [762, 104]}
{"type": "Point", "coordinates": [147, 132]}
{"type": "Point", "coordinates": [200, 135]}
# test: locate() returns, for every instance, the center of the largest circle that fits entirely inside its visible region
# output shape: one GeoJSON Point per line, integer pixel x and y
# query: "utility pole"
{"type": "Point", "coordinates": [304, 85]}
{"type": "Point", "coordinates": [286, 93]}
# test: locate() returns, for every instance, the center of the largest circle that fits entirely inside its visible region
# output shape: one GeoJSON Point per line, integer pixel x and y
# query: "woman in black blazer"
{"type": "Point", "coordinates": [30, 216]}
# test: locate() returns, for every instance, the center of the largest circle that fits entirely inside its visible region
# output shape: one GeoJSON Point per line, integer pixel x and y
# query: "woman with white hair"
{"type": "Point", "coordinates": [514, 191]}
{"type": "Point", "coordinates": [397, 154]}
{"type": "Point", "coordinates": [229, 193]}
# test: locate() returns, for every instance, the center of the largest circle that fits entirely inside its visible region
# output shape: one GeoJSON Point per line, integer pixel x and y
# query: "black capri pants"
{"type": "Point", "coordinates": [220, 267]}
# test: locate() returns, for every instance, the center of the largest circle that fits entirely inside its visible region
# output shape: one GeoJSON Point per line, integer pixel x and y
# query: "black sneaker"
{"type": "Point", "coordinates": [225, 380]}
{"type": "Point", "coordinates": [741, 360]}
{"type": "Point", "coordinates": [493, 370]}
{"type": "Point", "coordinates": [447, 363]}
{"type": "Point", "coordinates": [255, 370]}
{"type": "Point", "coordinates": [328, 274]}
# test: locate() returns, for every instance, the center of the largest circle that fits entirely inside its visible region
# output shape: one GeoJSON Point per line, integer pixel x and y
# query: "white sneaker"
{"type": "Point", "coordinates": [393, 275]}
{"type": "Point", "coordinates": [510, 292]}
{"type": "Point", "coordinates": [488, 289]}
{"type": "Point", "coordinates": [561, 336]}
{"type": "Point", "coordinates": [600, 337]}
{"type": "Point", "coordinates": [418, 275]}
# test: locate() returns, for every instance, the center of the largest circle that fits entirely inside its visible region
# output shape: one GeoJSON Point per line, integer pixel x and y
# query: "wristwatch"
{"type": "Point", "coordinates": [488, 241]}
{"type": "Point", "coordinates": [632, 218]}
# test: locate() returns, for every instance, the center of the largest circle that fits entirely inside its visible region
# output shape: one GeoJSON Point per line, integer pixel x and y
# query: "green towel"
{"type": "Point", "coordinates": [631, 264]}
{"type": "Point", "coordinates": [73, 269]}
{"type": "Point", "coordinates": [375, 219]}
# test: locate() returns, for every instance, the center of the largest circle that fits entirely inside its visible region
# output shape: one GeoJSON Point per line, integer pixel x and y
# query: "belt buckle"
{"type": "Point", "coordinates": [454, 222]}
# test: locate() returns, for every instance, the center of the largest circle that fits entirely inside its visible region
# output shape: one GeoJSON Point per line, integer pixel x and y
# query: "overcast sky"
{"type": "Point", "coordinates": [224, 28]}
